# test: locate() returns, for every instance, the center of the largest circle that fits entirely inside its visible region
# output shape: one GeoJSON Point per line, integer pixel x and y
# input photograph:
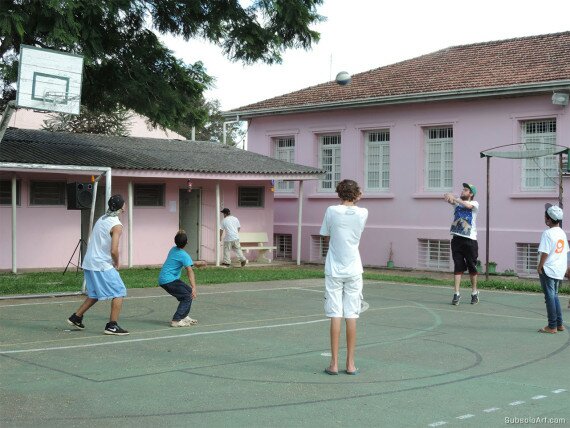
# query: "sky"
{"type": "Point", "coordinates": [361, 35]}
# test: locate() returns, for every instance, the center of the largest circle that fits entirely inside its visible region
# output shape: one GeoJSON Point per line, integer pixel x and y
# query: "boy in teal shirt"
{"type": "Point", "coordinates": [169, 280]}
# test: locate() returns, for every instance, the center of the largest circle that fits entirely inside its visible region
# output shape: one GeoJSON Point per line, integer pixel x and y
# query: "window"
{"type": "Point", "coordinates": [438, 159]}
{"type": "Point", "coordinates": [284, 247]}
{"type": "Point", "coordinates": [434, 254]}
{"type": "Point", "coordinates": [251, 197]}
{"type": "Point", "coordinates": [539, 174]}
{"type": "Point", "coordinates": [284, 149]}
{"type": "Point", "coordinates": [329, 160]}
{"type": "Point", "coordinates": [47, 193]}
{"type": "Point", "coordinates": [527, 259]}
{"type": "Point", "coordinates": [149, 195]}
{"type": "Point", "coordinates": [319, 248]}
{"type": "Point", "coordinates": [6, 192]}
{"type": "Point", "coordinates": [378, 160]}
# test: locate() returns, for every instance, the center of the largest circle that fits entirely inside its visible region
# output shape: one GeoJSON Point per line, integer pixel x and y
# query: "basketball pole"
{"type": "Point", "coordinates": [488, 216]}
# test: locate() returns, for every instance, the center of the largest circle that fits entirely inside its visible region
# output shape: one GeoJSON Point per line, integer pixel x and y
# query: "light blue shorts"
{"type": "Point", "coordinates": [104, 285]}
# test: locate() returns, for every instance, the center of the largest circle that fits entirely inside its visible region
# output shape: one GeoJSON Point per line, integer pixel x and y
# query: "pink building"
{"type": "Point", "coordinates": [409, 132]}
{"type": "Point", "coordinates": [168, 184]}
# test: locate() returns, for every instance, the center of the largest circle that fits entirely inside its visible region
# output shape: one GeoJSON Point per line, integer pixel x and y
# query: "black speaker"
{"type": "Point", "coordinates": [79, 196]}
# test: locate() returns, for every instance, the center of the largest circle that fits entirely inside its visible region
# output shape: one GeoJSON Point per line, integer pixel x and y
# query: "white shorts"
{"type": "Point", "coordinates": [343, 296]}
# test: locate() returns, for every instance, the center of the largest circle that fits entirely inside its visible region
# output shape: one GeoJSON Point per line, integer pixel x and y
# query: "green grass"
{"type": "Point", "coordinates": [56, 282]}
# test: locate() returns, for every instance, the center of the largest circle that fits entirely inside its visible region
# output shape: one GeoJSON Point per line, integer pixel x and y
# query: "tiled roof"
{"type": "Point", "coordinates": [499, 64]}
{"type": "Point", "coordinates": [61, 148]}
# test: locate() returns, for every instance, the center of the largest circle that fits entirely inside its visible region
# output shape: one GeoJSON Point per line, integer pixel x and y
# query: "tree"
{"type": "Point", "coordinates": [90, 122]}
{"type": "Point", "coordinates": [213, 129]}
{"type": "Point", "coordinates": [126, 64]}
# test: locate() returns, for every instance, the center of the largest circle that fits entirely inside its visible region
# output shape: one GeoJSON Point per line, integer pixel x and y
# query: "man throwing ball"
{"type": "Point", "coordinates": [464, 247]}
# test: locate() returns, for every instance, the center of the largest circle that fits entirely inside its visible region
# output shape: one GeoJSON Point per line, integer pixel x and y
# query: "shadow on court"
{"type": "Point", "coordinates": [257, 356]}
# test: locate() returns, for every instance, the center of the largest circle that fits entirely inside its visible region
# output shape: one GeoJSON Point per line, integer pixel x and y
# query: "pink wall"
{"type": "Point", "coordinates": [407, 212]}
{"type": "Point", "coordinates": [32, 119]}
{"type": "Point", "coordinates": [47, 236]}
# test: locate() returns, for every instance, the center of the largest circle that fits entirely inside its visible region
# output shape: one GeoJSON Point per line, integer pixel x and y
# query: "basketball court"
{"type": "Point", "coordinates": [257, 357]}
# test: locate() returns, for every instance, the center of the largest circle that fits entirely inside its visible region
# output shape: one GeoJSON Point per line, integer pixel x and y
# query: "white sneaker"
{"type": "Point", "coordinates": [181, 323]}
{"type": "Point", "coordinates": [192, 321]}
{"type": "Point", "coordinates": [244, 262]}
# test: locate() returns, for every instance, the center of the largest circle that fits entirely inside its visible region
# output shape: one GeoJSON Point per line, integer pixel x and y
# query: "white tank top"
{"type": "Point", "coordinates": [98, 255]}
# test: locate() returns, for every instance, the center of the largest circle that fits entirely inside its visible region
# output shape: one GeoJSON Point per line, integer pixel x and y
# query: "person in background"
{"type": "Point", "coordinates": [230, 228]}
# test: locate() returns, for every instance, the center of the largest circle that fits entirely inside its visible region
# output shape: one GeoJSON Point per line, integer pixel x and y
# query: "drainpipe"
{"type": "Point", "coordinates": [299, 222]}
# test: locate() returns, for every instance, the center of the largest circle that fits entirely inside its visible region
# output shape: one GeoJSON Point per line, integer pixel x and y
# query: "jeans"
{"type": "Point", "coordinates": [183, 293]}
{"type": "Point", "coordinates": [553, 310]}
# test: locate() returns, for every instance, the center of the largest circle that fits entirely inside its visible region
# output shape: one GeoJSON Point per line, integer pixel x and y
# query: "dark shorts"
{"type": "Point", "coordinates": [465, 252]}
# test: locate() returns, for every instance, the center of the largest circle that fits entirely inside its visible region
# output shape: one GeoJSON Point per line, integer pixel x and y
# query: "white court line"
{"type": "Point", "coordinates": [157, 296]}
{"type": "Point", "coordinates": [437, 424]}
{"type": "Point", "coordinates": [491, 409]}
{"type": "Point", "coordinates": [176, 336]}
{"type": "Point", "coordinates": [538, 397]}
{"type": "Point", "coordinates": [467, 416]}
{"type": "Point", "coordinates": [516, 403]}
{"type": "Point", "coordinates": [558, 391]}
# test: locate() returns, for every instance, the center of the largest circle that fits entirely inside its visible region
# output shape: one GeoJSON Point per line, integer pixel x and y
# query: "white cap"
{"type": "Point", "coordinates": [554, 212]}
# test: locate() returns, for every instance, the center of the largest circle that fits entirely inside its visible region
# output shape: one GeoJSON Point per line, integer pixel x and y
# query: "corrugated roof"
{"type": "Point", "coordinates": [497, 64]}
{"type": "Point", "coordinates": [61, 148]}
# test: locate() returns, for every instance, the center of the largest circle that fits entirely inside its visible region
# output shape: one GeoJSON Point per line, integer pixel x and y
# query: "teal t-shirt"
{"type": "Point", "coordinates": [176, 260]}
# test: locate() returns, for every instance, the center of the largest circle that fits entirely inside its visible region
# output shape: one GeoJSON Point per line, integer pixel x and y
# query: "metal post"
{"type": "Point", "coordinates": [14, 231]}
{"type": "Point", "coordinates": [218, 224]}
{"type": "Point", "coordinates": [130, 214]}
{"type": "Point", "coordinates": [299, 222]}
{"type": "Point", "coordinates": [487, 234]}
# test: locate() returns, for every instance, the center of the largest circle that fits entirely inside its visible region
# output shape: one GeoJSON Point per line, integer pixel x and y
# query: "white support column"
{"type": "Point", "coordinates": [14, 234]}
{"type": "Point", "coordinates": [130, 209]}
{"type": "Point", "coordinates": [299, 222]}
{"type": "Point", "coordinates": [218, 224]}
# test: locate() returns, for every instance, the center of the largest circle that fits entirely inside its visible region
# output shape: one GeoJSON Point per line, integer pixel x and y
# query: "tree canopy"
{"type": "Point", "coordinates": [125, 63]}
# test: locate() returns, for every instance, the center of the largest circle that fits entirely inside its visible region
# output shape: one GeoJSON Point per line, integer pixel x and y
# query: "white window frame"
{"type": "Point", "coordinates": [284, 244]}
{"type": "Point", "coordinates": [434, 254]}
{"type": "Point", "coordinates": [284, 149]}
{"type": "Point", "coordinates": [526, 259]}
{"type": "Point", "coordinates": [539, 174]}
{"type": "Point", "coordinates": [377, 160]}
{"type": "Point", "coordinates": [319, 248]}
{"type": "Point", "coordinates": [438, 139]}
{"type": "Point", "coordinates": [330, 142]}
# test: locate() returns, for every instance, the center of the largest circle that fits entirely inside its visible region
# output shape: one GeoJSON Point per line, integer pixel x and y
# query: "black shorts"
{"type": "Point", "coordinates": [465, 252]}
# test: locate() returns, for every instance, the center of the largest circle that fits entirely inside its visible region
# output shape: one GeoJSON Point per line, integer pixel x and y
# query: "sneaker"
{"type": "Point", "coordinates": [76, 321]}
{"type": "Point", "coordinates": [182, 323]}
{"type": "Point", "coordinates": [191, 320]}
{"type": "Point", "coordinates": [456, 298]}
{"type": "Point", "coordinates": [244, 262]}
{"type": "Point", "coordinates": [113, 328]}
{"type": "Point", "coordinates": [475, 298]}
{"type": "Point", "coordinates": [225, 265]}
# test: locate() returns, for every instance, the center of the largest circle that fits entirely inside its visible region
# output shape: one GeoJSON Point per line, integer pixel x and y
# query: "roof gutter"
{"type": "Point", "coordinates": [459, 94]}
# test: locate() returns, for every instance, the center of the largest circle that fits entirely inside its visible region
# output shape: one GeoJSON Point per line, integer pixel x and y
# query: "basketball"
{"type": "Point", "coordinates": [343, 78]}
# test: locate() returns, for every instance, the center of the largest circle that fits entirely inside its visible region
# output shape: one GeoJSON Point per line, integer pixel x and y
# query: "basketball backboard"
{"type": "Point", "coordinates": [49, 80]}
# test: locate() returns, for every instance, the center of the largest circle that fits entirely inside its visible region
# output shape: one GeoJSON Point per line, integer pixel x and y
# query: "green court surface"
{"type": "Point", "coordinates": [257, 357]}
